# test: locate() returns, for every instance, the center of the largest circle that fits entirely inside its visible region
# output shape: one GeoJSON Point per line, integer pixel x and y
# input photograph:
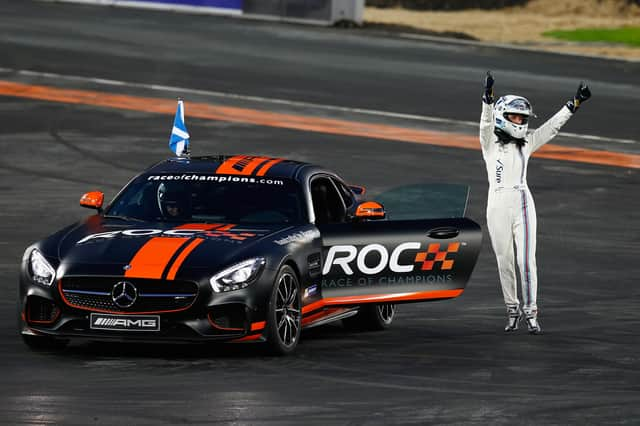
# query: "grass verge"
{"type": "Point", "coordinates": [625, 35]}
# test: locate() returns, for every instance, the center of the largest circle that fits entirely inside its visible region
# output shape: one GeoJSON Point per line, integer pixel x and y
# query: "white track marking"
{"type": "Point", "coordinates": [597, 138]}
{"type": "Point", "coordinates": [273, 101]}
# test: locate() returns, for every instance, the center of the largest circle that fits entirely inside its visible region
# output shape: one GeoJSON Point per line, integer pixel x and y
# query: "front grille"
{"type": "Point", "coordinates": [95, 294]}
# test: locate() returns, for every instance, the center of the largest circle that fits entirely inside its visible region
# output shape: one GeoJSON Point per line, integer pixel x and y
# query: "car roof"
{"type": "Point", "coordinates": [240, 165]}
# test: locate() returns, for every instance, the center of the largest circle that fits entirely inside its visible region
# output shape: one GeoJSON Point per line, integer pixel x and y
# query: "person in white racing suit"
{"type": "Point", "coordinates": [511, 213]}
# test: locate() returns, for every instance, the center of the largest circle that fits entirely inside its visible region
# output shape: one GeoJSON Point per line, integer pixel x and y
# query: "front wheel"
{"type": "Point", "coordinates": [284, 314]}
{"type": "Point", "coordinates": [372, 317]}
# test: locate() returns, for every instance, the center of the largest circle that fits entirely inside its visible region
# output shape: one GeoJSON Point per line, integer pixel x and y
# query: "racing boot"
{"type": "Point", "coordinates": [514, 315]}
{"type": "Point", "coordinates": [531, 317]}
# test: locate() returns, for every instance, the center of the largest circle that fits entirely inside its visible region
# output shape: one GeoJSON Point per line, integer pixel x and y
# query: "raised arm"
{"type": "Point", "coordinates": [551, 127]}
{"type": "Point", "coordinates": [486, 119]}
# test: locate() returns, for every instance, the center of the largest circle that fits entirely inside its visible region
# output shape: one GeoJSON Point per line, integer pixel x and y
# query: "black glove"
{"type": "Point", "coordinates": [581, 96]}
{"type": "Point", "coordinates": [487, 98]}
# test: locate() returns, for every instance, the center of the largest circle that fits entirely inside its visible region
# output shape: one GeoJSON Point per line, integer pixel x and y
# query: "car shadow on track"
{"type": "Point", "coordinates": [334, 335]}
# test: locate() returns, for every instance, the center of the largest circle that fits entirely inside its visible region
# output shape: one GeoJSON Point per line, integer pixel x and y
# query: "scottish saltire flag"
{"type": "Point", "coordinates": [179, 141]}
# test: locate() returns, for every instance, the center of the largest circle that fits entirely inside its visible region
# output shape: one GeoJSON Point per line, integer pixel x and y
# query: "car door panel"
{"type": "Point", "coordinates": [405, 260]}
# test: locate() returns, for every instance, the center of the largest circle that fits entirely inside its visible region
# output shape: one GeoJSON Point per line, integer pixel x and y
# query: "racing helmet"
{"type": "Point", "coordinates": [174, 202]}
{"type": "Point", "coordinates": [511, 104]}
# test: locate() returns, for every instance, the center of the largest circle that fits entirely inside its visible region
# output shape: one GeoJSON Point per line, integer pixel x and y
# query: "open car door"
{"type": "Point", "coordinates": [425, 249]}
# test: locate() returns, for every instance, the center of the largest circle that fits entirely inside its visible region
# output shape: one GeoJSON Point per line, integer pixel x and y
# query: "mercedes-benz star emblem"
{"type": "Point", "coordinates": [124, 294]}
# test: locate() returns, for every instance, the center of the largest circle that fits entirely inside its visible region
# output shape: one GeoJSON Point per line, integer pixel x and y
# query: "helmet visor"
{"type": "Point", "coordinates": [516, 118]}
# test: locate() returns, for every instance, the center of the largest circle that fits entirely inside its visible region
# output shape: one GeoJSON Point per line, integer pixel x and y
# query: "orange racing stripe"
{"type": "Point", "coordinates": [267, 166]}
{"type": "Point", "coordinates": [313, 306]}
{"type": "Point", "coordinates": [153, 257]}
{"type": "Point", "coordinates": [304, 123]}
{"type": "Point", "coordinates": [243, 165]}
{"type": "Point", "coordinates": [381, 298]}
{"type": "Point", "coordinates": [182, 256]}
{"type": "Point", "coordinates": [394, 297]}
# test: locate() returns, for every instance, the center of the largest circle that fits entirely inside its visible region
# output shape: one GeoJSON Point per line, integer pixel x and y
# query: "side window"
{"type": "Point", "coordinates": [345, 192]}
{"type": "Point", "coordinates": [327, 202]}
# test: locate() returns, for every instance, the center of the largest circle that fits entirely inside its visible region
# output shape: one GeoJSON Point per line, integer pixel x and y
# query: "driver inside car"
{"type": "Point", "coordinates": [174, 204]}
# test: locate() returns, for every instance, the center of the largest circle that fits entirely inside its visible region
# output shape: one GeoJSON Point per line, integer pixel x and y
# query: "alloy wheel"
{"type": "Point", "coordinates": [287, 309]}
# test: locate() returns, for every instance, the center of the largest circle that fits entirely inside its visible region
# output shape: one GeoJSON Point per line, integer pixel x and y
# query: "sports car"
{"type": "Point", "coordinates": [242, 249]}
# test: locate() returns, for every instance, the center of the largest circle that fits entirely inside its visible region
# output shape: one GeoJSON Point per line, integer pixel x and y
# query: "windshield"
{"type": "Point", "coordinates": [210, 199]}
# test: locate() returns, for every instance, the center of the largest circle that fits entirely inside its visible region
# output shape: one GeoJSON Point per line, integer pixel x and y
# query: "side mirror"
{"type": "Point", "coordinates": [370, 210]}
{"type": "Point", "coordinates": [358, 190]}
{"type": "Point", "coordinates": [92, 200]}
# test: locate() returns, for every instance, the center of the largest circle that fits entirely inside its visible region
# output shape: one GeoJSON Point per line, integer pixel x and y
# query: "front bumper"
{"type": "Point", "coordinates": [237, 316]}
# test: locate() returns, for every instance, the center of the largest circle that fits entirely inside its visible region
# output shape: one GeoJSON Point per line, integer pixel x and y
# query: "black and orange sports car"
{"type": "Point", "coordinates": [243, 249]}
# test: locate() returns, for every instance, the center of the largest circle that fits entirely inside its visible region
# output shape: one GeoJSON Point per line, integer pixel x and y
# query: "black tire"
{"type": "Point", "coordinates": [43, 343]}
{"type": "Point", "coordinates": [374, 317]}
{"type": "Point", "coordinates": [284, 315]}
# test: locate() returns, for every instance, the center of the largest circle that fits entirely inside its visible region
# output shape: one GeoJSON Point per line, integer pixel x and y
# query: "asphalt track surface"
{"type": "Point", "coordinates": [441, 363]}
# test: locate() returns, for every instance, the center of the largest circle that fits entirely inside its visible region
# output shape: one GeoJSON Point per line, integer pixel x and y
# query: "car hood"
{"type": "Point", "coordinates": [155, 250]}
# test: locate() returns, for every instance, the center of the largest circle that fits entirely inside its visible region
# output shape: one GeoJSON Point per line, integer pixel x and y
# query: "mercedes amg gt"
{"type": "Point", "coordinates": [243, 249]}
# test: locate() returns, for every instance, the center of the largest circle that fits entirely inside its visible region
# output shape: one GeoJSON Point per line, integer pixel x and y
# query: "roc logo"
{"type": "Point", "coordinates": [209, 231]}
{"type": "Point", "coordinates": [220, 233]}
{"type": "Point", "coordinates": [433, 255]}
{"type": "Point", "coordinates": [396, 260]}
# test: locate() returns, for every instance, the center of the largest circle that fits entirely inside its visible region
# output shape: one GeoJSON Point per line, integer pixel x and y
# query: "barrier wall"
{"type": "Point", "coordinates": [217, 7]}
{"type": "Point", "coordinates": [323, 12]}
{"type": "Point", "coordinates": [319, 10]}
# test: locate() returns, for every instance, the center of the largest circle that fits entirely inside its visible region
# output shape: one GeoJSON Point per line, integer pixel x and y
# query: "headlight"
{"type": "Point", "coordinates": [41, 271]}
{"type": "Point", "coordinates": [237, 276]}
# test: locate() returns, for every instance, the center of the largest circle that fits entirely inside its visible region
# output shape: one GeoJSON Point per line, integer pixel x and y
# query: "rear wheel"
{"type": "Point", "coordinates": [43, 343]}
{"type": "Point", "coordinates": [372, 317]}
{"type": "Point", "coordinates": [284, 315]}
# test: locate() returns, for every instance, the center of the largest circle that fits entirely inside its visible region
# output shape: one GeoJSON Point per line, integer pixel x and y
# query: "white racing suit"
{"type": "Point", "coordinates": [511, 213]}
